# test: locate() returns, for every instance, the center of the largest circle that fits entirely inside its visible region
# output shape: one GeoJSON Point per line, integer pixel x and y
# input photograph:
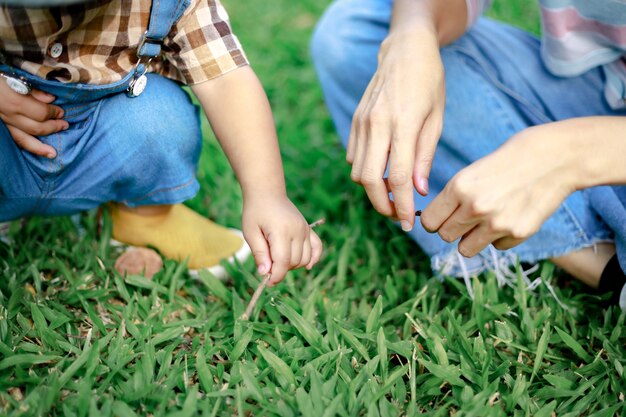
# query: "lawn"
{"type": "Point", "coordinates": [367, 332]}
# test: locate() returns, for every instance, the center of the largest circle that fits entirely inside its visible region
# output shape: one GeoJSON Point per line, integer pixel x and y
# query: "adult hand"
{"type": "Point", "coordinates": [279, 237]}
{"type": "Point", "coordinates": [29, 116]}
{"type": "Point", "coordinates": [398, 122]}
{"type": "Point", "coordinates": [505, 197]}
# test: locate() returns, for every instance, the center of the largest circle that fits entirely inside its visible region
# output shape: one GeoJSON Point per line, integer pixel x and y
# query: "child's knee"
{"type": "Point", "coordinates": [161, 125]}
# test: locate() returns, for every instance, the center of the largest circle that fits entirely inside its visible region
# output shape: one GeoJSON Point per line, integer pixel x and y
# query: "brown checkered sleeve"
{"type": "Point", "coordinates": [201, 46]}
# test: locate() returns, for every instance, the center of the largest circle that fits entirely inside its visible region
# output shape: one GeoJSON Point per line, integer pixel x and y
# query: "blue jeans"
{"type": "Point", "coordinates": [496, 86]}
{"type": "Point", "coordinates": [137, 151]}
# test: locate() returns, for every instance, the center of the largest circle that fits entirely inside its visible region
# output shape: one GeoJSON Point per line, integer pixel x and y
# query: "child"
{"type": "Point", "coordinates": [92, 112]}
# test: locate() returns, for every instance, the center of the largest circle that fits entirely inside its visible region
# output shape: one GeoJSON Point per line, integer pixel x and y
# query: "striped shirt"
{"type": "Point", "coordinates": [579, 35]}
{"type": "Point", "coordinates": [97, 42]}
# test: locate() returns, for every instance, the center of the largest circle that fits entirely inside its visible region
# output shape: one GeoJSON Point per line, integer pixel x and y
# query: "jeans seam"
{"type": "Point", "coordinates": [80, 106]}
{"type": "Point", "coordinates": [501, 86]}
{"type": "Point", "coordinates": [83, 110]}
{"type": "Point", "coordinates": [162, 190]}
{"type": "Point", "coordinates": [45, 189]}
{"type": "Point", "coordinates": [501, 109]}
{"type": "Point", "coordinates": [572, 217]}
{"type": "Point", "coordinates": [51, 186]}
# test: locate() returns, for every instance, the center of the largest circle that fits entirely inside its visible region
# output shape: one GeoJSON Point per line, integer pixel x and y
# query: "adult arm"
{"type": "Point", "coordinates": [505, 197]}
{"type": "Point", "coordinates": [240, 116]}
{"type": "Point", "coordinates": [399, 119]}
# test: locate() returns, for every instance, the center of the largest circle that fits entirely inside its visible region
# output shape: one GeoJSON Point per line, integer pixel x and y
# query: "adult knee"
{"type": "Point", "coordinates": [346, 40]}
{"type": "Point", "coordinates": [328, 48]}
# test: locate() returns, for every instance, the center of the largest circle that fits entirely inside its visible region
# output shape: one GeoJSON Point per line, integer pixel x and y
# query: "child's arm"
{"type": "Point", "coordinates": [240, 115]}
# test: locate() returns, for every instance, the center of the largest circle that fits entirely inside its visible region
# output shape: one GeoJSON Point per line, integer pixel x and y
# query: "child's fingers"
{"type": "Point", "coordinates": [316, 249]}
{"type": "Point", "coordinates": [280, 251]}
{"type": "Point", "coordinates": [37, 128]}
{"type": "Point", "coordinates": [31, 144]}
{"type": "Point", "coordinates": [260, 251]}
{"type": "Point", "coordinates": [296, 253]}
{"type": "Point", "coordinates": [306, 252]}
{"type": "Point", "coordinates": [41, 96]}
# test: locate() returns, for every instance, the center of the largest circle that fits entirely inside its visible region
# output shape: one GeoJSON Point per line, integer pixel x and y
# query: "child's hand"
{"type": "Point", "coordinates": [28, 116]}
{"type": "Point", "coordinates": [279, 236]}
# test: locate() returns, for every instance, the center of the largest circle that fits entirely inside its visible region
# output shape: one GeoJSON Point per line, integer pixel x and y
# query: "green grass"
{"type": "Point", "coordinates": [367, 332]}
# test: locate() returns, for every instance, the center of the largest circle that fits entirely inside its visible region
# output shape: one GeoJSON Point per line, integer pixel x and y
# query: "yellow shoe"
{"type": "Point", "coordinates": [180, 233]}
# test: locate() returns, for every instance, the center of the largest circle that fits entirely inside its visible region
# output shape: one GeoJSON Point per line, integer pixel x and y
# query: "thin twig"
{"type": "Point", "coordinates": [255, 297]}
{"type": "Point", "coordinates": [266, 279]}
{"type": "Point", "coordinates": [317, 223]}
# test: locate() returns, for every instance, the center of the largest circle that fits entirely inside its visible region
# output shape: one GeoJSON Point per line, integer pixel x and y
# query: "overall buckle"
{"type": "Point", "coordinates": [139, 81]}
{"type": "Point", "coordinates": [17, 84]}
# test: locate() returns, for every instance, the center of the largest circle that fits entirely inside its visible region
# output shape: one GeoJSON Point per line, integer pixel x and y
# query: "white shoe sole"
{"type": "Point", "coordinates": [4, 232]}
{"type": "Point", "coordinates": [217, 270]}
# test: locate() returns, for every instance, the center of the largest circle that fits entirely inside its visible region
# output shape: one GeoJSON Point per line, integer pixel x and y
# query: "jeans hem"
{"type": "Point", "coordinates": [170, 195]}
{"type": "Point", "coordinates": [76, 204]}
{"type": "Point", "coordinates": [451, 263]}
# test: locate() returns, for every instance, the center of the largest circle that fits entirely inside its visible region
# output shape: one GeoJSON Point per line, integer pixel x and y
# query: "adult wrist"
{"type": "Point", "coordinates": [575, 144]}
{"type": "Point", "coordinates": [445, 20]}
{"type": "Point", "coordinates": [418, 29]}
{"type": "Point", "coordinates": [553, 155]}
{"type": "Point", "coordinates": [597, 147]}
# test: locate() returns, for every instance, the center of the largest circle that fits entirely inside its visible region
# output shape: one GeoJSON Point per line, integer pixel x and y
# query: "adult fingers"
{"type": "Point", "coordinates": [260, 251]}
{"type": "Point", "coordinates": [360, 136]}
{"type": "Point", "coordinates": [400, 175]}
{"type": "Point", "coordinates": [358, 120]}
{"type": "Point", "coordinates": [316, 249]}
{"type": "Point", "coordinates": [442, 207]}
{"type": "Point", "coordinates": [373, 170]}
{"type": "Point", "coordinates": [507, 242]}
{"type": "Point", "coordinates": [477, 240]}
{"type": "Point", "coordinates": [31, 144]}
{"type": "Point", "coordinates": [36, 128]}
{"type": "Point", "coordinates": [458, 224]}
{"type": "Point", "coordinates": [425, 150]}
{"type": "Point", "coordinates": [352, 137]}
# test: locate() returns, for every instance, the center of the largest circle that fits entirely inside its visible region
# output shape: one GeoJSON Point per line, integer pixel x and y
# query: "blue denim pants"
{"type": "Point", "coordinates": [496, 86]}
{"type": "Point", "coordinates": [137, 151]}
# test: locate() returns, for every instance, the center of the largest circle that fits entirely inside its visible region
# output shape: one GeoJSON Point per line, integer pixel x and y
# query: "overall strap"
{"type": "Point", "coordinates": [163, 15]}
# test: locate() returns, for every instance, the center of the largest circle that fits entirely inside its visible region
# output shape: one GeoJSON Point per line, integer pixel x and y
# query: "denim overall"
{"type": "Point", "coordinates": [497, 85]}
{"type": "Point", "coordinates": [138, 149]}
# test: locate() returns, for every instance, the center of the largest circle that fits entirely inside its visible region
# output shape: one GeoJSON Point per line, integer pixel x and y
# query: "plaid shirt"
{"type": "Point", "coordinates": [97, 42]}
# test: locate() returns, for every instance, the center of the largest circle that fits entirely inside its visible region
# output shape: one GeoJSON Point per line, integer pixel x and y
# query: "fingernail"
{"type": "Point", "coordinates": [424, 185]}
{"type": "Point", "coordinates": [67, 126]}
{"type": "Point", "coordinates": [406, 226]}
{"type": "Point", "coordinates": [262, 269]}
{"type": "Point", "coordinates": [50, 156]}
